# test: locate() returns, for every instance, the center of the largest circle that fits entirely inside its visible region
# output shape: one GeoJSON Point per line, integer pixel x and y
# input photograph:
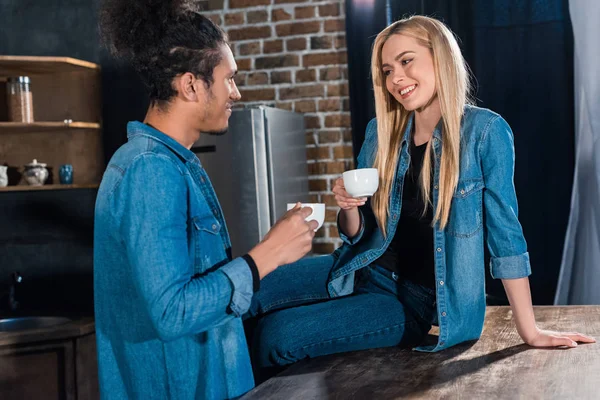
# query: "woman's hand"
{"type": "Point", "coordinates": [557, 339]}
{"type": "Point", "coordinates": [343, 199]}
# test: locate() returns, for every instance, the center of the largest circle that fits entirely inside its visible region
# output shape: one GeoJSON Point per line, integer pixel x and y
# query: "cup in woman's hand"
{"type": "Point", "coordinates": [318, 212]}
{"type": "Point", "coordinates": [362, 182]}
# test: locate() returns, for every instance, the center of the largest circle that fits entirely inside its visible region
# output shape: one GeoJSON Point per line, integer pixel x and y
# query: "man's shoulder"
{"type": "Point", "coordinates": [150, 152]}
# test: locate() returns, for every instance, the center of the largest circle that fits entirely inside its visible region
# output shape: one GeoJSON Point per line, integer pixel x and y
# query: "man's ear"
{"type": "Point", "coordinates": [187, 87]}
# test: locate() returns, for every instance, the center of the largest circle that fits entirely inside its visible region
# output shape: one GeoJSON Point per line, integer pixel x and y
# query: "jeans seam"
{"type": "Point", "coordinates": [351, 337]}
{"type": "Point", "coordinates": [280, 302]}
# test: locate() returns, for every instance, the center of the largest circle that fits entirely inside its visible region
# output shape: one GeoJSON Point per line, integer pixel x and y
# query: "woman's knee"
{"type": "Point", "coordinates": [275, 339]}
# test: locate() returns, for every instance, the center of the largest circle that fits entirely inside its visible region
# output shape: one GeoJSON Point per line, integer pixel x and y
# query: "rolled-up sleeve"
{"type": "Point", "coordinates": [505, 240]}
{"type": "Point", "coordinates": [239, 274]}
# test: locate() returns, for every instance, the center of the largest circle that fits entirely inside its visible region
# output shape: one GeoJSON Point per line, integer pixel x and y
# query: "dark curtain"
{"type": "Point", "coordinates": [521, 53]}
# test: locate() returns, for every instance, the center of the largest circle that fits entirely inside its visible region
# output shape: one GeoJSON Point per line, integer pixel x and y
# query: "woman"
{"type": "Point", "coordinates": [413, 254]}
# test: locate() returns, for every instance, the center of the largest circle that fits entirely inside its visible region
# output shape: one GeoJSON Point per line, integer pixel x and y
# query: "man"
{"type": "Point", "coordinates": [168, 296]}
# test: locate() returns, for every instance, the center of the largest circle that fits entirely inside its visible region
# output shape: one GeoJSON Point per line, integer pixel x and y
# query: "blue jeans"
{"type": "Point", "coordinates": [297, 319]}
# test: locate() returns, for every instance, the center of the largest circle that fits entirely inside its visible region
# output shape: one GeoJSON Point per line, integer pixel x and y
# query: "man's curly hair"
{"type": "Point", "coordinates": [162, 39]}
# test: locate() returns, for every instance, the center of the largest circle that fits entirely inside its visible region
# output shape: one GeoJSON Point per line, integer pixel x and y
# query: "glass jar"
{"type": "Point", "coordinates": [20, 99]}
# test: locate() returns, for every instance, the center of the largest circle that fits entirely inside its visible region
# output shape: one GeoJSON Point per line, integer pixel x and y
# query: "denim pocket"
{"type": "Point", "coordinates": [208, 245]}
{"type": "Point", "coordinates": [465, 212]}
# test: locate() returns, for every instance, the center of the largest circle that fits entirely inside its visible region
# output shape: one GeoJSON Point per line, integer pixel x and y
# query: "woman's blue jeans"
{"type": "Point", "coordinates": [297, 319]}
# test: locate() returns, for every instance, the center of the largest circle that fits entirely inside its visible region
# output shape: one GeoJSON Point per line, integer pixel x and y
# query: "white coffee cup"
{"type": "Point", "coordinates": [362, 182]}
{"type": "Point", "coordinates": [318, 212]}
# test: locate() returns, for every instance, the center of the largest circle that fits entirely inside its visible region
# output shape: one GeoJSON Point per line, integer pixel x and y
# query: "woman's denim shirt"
{"type": "Point", "coordinates": [483, 210]}
{"type": "Point", "coordinates": [168, 297]}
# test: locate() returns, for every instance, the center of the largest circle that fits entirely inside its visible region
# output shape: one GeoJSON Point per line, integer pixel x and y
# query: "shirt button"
{"type": "Point", "coordinates": [395, 216]}
{"type": "Point", "coordinates": [442, 283]}
{"type": "Point", "coordinates": [462, 191]}
{"type": "Point", "coordinates": [202, 179]}
{"type": "Point", "coordinates": [439, 249]}
{"type": "Point", "coordinates": [436, 187]}
{"type": "Point", "coordinates": [444, 314]}
{"type": "Point", "coordinates": [214, 227]}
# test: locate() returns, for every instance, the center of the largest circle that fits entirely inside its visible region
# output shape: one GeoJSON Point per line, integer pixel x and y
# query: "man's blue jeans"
{"type": "Point", "coordinates": [297, 319]}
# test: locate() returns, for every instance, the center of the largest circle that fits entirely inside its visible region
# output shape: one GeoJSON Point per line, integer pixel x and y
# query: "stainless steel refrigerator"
{"type": "Point", "coordinates": [256, 168]}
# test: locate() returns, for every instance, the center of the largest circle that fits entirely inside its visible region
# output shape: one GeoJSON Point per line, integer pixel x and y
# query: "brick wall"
{"type": "Point", "coordinates": [291, 54]}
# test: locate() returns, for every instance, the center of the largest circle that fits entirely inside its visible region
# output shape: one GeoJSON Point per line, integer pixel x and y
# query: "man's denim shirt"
{"type": "Point", "coordinates": [484, 208]}
{"type": "Point", "coordinates": [168, 297]}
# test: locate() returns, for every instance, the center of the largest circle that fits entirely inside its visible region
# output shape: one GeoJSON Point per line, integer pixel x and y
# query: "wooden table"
{"type": "Point", "coordinates": [498, 366]}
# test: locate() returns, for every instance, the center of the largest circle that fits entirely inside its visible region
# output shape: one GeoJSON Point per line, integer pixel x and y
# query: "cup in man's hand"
{"type": "Point", "coordinates": [318, 212]}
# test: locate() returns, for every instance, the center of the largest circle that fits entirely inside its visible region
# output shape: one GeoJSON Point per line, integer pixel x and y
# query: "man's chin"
{"type": "Point", "coordinates": [217, 132]}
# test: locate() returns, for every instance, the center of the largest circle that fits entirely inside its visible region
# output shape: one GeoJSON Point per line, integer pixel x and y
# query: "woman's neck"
{"type": "Point", "coordinates": [426, 119]}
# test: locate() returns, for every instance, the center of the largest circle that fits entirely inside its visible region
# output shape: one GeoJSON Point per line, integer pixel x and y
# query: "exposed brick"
{"type": "Point", "coordinates": [240, 79]}
{"type": "Point", "coordinates": [326, 168]}
{"type": "Point", "coordinates": [331, 215]}
{"type": "Point", "coordinates": [298, 28]}
{"type": "Point", "coordinates": [281, 77]}
{"type": "Point", "coordinates": [333, 231]}
{"type": "Point", "coordinates": [331, 73]}
{"type": "Point", "coordinates": [305, 106]}
{"type": "Point", "coordinates": [257, 94]}
{"type": "Point", "coordinates": [280, 14]}
{"type": "Point", "coordinates": [314, 198]}
{"type": "Point", "coordinates": [318, 153]}
{"type": "Point", "coordinates": [323, 248]}
{"type": "Point", "coordinates": [320, 42]}
{"type": "Point", "coordinates": [312, 122]}
{"type": "Point", "coordinates": [340, 42]}
{"type": "Point", "coordinates": [337, 90]}
{"type": "Point", "coordinates": [258, 78]}
{"type": "Point", "coordinates": [244, 64]}
{"type": "Point", "coordinates": [301, 91]}
{"type": "Point", "coordinates": [329, 10]}
{"type": "Point", "coordinates": [343, 152]}
{"type": "Point", "coordinates": [310, 138]}
{"type": "Point", "coordinates": [289, 60]}
{"type": "Point", "coordinates": [254, 17]}
{"type": "Point", "coordinates": [320, 233]}
{"type": "Point", "coordinates": [348, 135]}
{"type": "Point", "coordinates": [329, 200]}
{"type": "Point", "coordinates": [249, 48]}
{"type": "Point", "coordinates": [306, 75]}
{"type": "Point", "coordinates": [324, 59]}
{"type": "Point", "coordinates": [317, 185]}
{"type": "Point", "coordinates": [234, 18]}
{"type": "Point", "coordinates": [290, 1]}
{"type": "Point", "coordinates": [213, 5]}
{"type": "Point", "coordinates": [330, 105]}
{"type": "Point", "coordinates": [335, 25]}
{"type": "Point", "coordinates": [216, 18]}
{"type": "Point", "coordinates": [272, 46]}
{"type": "Point", "coordinates": [337, 121]}
{"type": "Point", "coordinates": [250, 32]}
{"type": "Point", "coordinates": [295, 44]}
{"type": "Point", "coordinates": [329, 137]}
{"type": "Point", "coordinates": [248, 3]}
{"type": "Point", "coordinates": [304, 12]}
{"type": "Point", "coordinates": [284, 106]}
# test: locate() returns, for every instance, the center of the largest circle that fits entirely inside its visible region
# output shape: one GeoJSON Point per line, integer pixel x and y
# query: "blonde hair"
{"type": "Point", "coordinates": [452, 88]}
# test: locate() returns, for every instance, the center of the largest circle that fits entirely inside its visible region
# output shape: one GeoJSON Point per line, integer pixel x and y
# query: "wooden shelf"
{"type": "Point", "coordinates": [33, 65]}
{"type": "Point", "coordinates": [25, 188]}
{"type": "Point", "coordinates": [45, 126]}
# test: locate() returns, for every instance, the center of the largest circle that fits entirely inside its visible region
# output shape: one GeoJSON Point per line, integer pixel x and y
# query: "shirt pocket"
{"type": "Point", "coordinates": [208, 245]}
{"type": "Point", "coordinates": [466, 210]}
